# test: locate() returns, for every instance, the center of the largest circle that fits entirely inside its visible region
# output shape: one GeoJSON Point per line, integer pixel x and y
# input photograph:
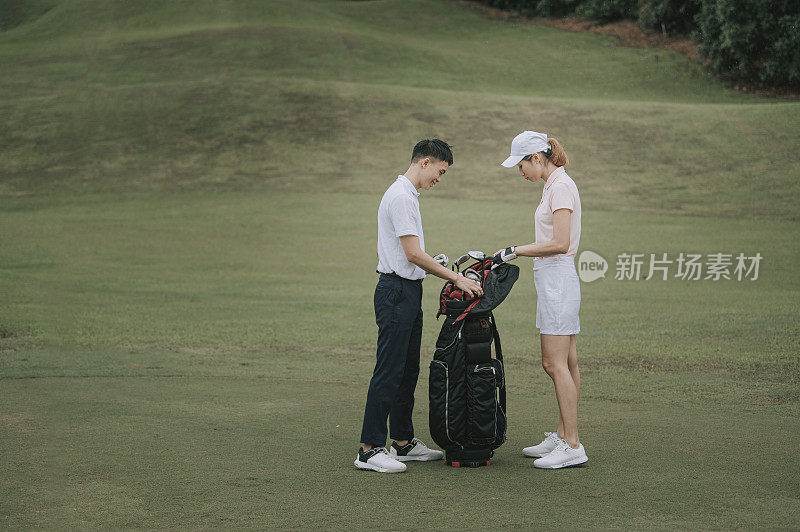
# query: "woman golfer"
{"type": "Point", "coordinates": [557, 224]}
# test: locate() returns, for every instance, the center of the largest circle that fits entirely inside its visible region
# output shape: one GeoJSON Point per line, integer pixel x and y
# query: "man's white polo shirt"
{"type": "Point", "coordinates": [398, 215]}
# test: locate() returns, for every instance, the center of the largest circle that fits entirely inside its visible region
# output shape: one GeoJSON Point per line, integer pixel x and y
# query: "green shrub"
{"type": "Point", "coordinates": [669, 16]}
{"type": "Point", "coordinates": [537, 8]}
{"type": "Point", "coordinates": [752, 40]}
{"type": "Point", "coordinates": [556, 8]}
{"type": "Point", "coordinates": [756, 41]}
{"type": "Point", "coordinates": [609, 10]}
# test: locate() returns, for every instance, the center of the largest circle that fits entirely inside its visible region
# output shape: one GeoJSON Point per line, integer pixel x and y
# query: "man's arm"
{"type": "Point", "coordinates": [416, 256]}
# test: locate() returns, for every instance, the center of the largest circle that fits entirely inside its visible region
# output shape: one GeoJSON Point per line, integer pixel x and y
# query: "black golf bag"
{"type": "Point", "coordinates": [467, 386]}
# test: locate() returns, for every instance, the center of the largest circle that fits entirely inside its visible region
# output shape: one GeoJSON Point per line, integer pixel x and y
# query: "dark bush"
{"type": "Point", "coordinates": [556, 8]}
{"type": "Point", "coordinates": [752, 40]}
{"type": "Point", "coordinates": [755, 41]}
{"type": "Point", "coordinates": [609, 10]}
{"type": "Point", "coordinates": [537, 8]}
{"type": "Point", "coordinates": [669, 16]}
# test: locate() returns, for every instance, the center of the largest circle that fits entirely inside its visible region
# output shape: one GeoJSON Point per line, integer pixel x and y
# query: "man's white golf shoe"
{"type": "Point", "coordinates": [378, 459]}
{"type": "Point", "coordinates": [562, 456]}
{"type": "Point", "coordinates": [544, 448]}
{"type": "Point", "coordinates": [414, 450]}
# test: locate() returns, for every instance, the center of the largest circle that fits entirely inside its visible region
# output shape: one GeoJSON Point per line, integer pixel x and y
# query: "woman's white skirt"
{"type": "Point", "coordinates": [558, 295]}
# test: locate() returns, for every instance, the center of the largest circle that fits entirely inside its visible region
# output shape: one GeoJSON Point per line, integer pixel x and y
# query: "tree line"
{"type": "Point", "coordinates": [751, 41]}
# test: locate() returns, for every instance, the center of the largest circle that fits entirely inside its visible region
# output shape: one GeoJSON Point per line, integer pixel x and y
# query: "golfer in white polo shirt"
{"type": "Point", "coordinates": [402, 264]}
{"type": "Point", "coordinates": [557, 222]}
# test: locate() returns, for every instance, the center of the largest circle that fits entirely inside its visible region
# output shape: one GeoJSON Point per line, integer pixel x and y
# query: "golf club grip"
{"type": "Point", "coordinates": [491, 259]}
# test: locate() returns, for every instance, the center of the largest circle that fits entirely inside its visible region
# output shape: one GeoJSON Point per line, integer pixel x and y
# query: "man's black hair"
{"type": "Point", "coordinates": [433, 148]}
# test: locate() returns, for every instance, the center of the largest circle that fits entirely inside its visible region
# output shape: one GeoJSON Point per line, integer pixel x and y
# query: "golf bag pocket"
{"type": "Point", "coordinates": [439, 398]}
{"type": "Point", "coordinates": [478, 338]}
{"type": "Point", "coordinates": [448, 336]}
{"type": "Point", "coordinates": [477, 330]}
{"type": "Point", "coordinates": [500, 432]}
{"type": "Point", "coordinates": [482, 404]}
{"type": "Point", "coordinates": [498, 372]}
{"type": "Point", "coordinates": [477, 353]}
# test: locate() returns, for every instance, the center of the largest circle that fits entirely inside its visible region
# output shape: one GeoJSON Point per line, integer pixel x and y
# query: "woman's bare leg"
{"type": "Point", "coordinates": [555, 361]}
{"type": "Point", "coordinates": [572, 363]}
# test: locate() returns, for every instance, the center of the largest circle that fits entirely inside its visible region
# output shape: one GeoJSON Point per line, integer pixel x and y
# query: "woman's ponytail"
{"type": "Point", "coordinates": [557, 154]}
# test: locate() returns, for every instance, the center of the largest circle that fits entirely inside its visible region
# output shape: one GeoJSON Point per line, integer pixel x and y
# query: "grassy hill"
{"type": "Point", "coordinates": [187, 223]}
{"type": "Point", "coordinates": [103, 96]}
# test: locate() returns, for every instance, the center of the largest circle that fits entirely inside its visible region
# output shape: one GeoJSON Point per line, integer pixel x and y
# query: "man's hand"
{"type": "Point", "coordinates": [504, 255]}
{"type": "Point", "coordinates": [468, 286]}
{"type": "Point", "coordinates": [416, 256]}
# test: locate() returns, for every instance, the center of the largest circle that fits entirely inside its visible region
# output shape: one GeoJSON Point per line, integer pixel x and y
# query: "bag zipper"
{"type": "Point", "coordinates": [447, 401]}
{"type": "Point", "coordinates": [456, 339]}
{"type": "Point", "coordinates": [496, 402]}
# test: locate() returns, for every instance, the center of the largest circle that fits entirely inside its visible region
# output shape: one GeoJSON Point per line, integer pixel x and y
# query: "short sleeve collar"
{"type": "Point", "coordinates": [407, 185]}
{"type": "Point", "coordinates": [556, 176]}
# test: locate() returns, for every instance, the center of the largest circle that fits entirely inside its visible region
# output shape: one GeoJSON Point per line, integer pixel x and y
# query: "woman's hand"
{"type": "Point", "coordinates": [504, 255]}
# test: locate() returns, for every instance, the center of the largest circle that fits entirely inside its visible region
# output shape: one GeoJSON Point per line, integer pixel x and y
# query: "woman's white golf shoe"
{"type": "Point", "coordinates": [562, 456]}
{"type": "Point", "coordinates": [378, 459]}
{"type": "Point", "coordinates": [544, 448]}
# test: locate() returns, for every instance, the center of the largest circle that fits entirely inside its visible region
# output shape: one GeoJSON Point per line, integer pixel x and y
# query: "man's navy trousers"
{"type": "Point", "coordinates": [398, 313]}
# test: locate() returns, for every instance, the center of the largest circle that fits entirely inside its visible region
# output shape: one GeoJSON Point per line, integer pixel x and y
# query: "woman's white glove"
{"type": "Point", "coordinates": [504, 255]}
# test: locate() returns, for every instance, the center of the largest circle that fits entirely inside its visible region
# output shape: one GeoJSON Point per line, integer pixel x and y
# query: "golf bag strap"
{"type": "Point", "coordinates": [466, 310]}
{"type": "Point", "coordinates": [498, 351]}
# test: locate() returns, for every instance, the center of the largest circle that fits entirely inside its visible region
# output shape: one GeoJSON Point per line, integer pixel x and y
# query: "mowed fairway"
{"type": "Point", "coordinates": [187, 255]}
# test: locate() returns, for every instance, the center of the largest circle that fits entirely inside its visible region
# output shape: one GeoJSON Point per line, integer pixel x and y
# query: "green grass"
{"type": "Point", "coordinates": [164, 341]}
{"type": "Point", "coordinates": [206, 452]}
{"type": "Point", "coordinates": [187, 224]}
{"type": "Point", "coordinates": [201, 271]}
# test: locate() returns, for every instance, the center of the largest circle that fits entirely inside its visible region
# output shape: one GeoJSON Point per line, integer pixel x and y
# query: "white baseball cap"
{"type": "Point", "coordinates": [524, 144]}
